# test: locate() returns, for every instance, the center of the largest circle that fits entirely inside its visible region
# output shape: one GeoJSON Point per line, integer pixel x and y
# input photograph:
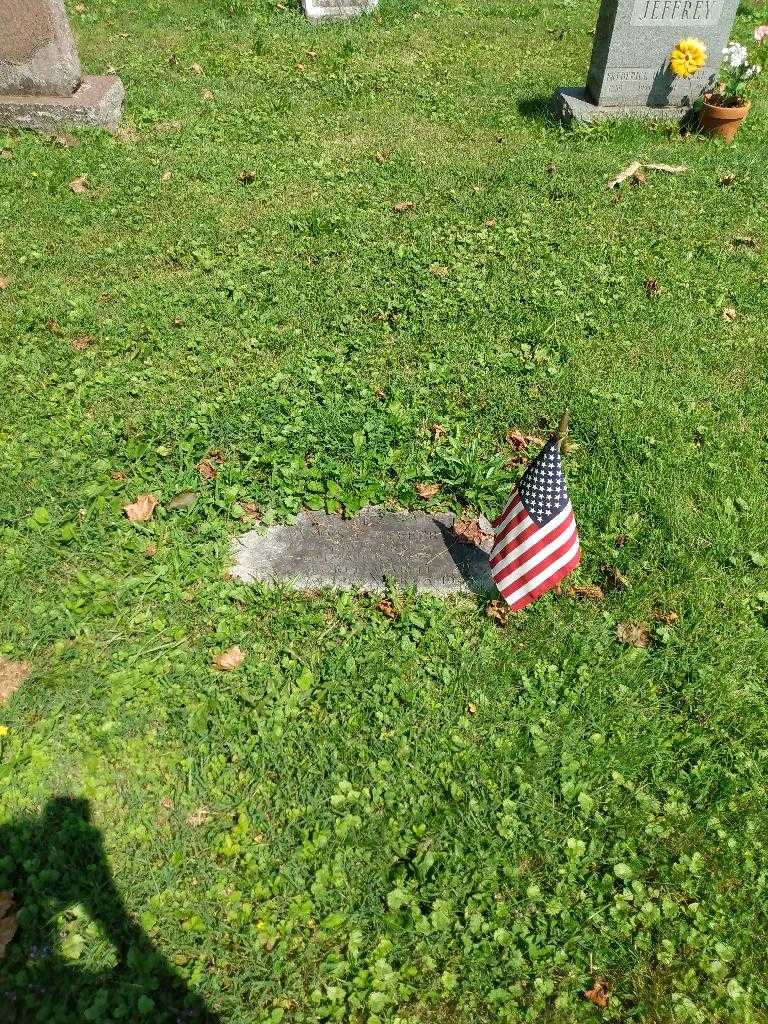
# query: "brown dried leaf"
{"type": "Point", "coordinates": [520, 442]}
{"type": "Point", "coordinates": [727, 179]}
{"type": "Point", "coordinates": [387, 607]}
{"type": "Point", "coordinates": [66, 141]}
{"type": "Point", "coordinates": [246, 177]}
{"type": "Point", "coordinates": [80, 186]}
{"type": "Point", "coordinates": [199, 817]}
{"type": "Point", "coordinates": [251, 510]}
{"type": "Point", "coordinates": [438, 431]}
{"type": "Point", "coordinates": [635, 634]}
{"type": "Point", "coordinates": [150, 550]}
{"type": "Point", "coordinates": [599, 994]}
{"type": "Point", "coordinates": [471, 708]}
{"type": "Point", "coordinates": [588, 592]}
{"type": "Point", "coordinates": [667, 618]}
{"type": "Point", "coordinates": [469, 532]}
{"type": "Point", "coordinates": [427, 491]}
{"type": "Point", "coordinates": [54, 326]}
{"type": "Point", "coordinates": [142, 510]}
{"type": "Point", "coordinates": [4, 282]}
{"type": "Point", "coordinates": [6, 154]}
{"type": "Point", "coordinates": [439, 271]}
{"type": "Point", "coordinates": [625, 175]}
{"type": "Point", "coordinates": [638, 178]}
{"type": "Point", "coordinates": [652, 288]}
{"type": "Point", "coordinates": [209, 466]}
{"type": "Point", "coordinates": [196, 69]}
{"type": "Point", "coordinates": [402, 207]}
{"type": "Point", "coordinates": [729, 314]}
{"type": "Point", "coordinates": [229, 660]}
{"type": "Point", "coordinates": [81, 342]}
{"type": "Point", "coordinates": [206, 95]}
{"type": "Point", "coordinates": [499, 611]}
{"type": "Point", "coordinates": [12, 675]}
{"type": "Point", "coordinates": [490, 223]}
{"type": "Point", "coordinates": [167, 175]}
{"type": "Point", "coordinates": [117, 474]}
{"type": "Point", "coordinates": [380, 158]}
{"type": "Point", "coordinates": [615, 577]}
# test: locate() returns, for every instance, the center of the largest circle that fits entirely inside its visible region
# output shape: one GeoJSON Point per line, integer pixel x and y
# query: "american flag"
{"type": "Point", "coordinates": [536, 540]}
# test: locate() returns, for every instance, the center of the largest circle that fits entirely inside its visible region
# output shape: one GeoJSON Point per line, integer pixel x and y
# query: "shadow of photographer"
{"type": "Point", "coordinates": [55, 865]}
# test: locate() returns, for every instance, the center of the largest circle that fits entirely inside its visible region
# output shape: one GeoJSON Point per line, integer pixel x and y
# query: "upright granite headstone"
{"type": "Point", "coordinates": [325, 10]}
{"type": "Point", "coordinates": [629, 73]}
{"type": "Point", "coordinates": [41, 86]}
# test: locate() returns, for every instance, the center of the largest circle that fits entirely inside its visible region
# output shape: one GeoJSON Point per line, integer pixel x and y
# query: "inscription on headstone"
{"type": "Point", "coordinates": [41, 85]}
{"type": "Point", "coordinates": [364, 553]}
{"type": "Point", "coordinates": [629, 71]}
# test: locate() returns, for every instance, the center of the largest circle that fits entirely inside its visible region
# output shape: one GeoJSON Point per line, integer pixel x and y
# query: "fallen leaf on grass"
{"type": "Point", "coordinates": [207, 95]}
{"type": "Point", "coordinates": [167, 176]}
{"type": "Point", "coordinates": [588, 592]}
{"type": "Point", "coordinates": [469, 532]}
{"type": "Point", "coordinates": [439, 271]}
{"type": "Point", "coordinates": [209, 466]}
{"type": "Point", "coordinates": [141, 510]}
{"type": "Point", "coordinates": [615, 577]}
{"type": "Point", "coordinates": [6, 154]}
{"type": "Point", "coordinates": [490, 223]}
{"type": "Point", "coordinates": [729, 314]}
{"type": "Point", "coordinates": [8, 921]}
{"type": "Point", "coordinates": [251, 510]}
{"type": "Point", "coordinates": [81, 342]}
{"type": "Point", "coordinates": [199, 817]}
{"type": "Point", "coordinates": [66, 141]}
{"type": "Point", "coordinates": [380, 158]}
{"type": "Point", "coordinates": [402, 207]}
{"type": "Point", "coordinates": [667, 618]}
{"type": "Point", "coordinates": [634, 634]}
{"type": "Point", "coordinates": [599, 994]}
{"type": "Point", "coordinates": [471, 708]}
{"type": "Point", "coordinates": [54, 326]}
{"type": "Point", "coordinates": [652, 288]}
{"type": "Point", "coordinates": [746, 240]}
{"type": "Point", "coordinates": [626, 174]}
{"type": "Point", "coordinates": [667, 168]}
{"type": "Point", "coordinates": [499, 611]}
{"type": "Point", "coordinates": [246, 177]}
{"type": "Point", "coordinates": [196, 69]}
{"type": "Point", "coordinates": [12, 675]}
{"type": "Point", "coordinates": [229, 660]}
{"type": "Point", "coordinates": [80, 186]}
{"type": "Point", "coordinates": [150, 550]}
{"type": "Point", "coordinates": [727, 179]}
{"type": "Point", "coordinates": [427, 491]}
{"type": "Point", "coordinates": [387, 607]}
{"type": "Point", "coordinates": [185, 499]}
{"type": "Point", "coordinates": [4, 282]}
{"type": "Point", "coordinates": [520, 442]}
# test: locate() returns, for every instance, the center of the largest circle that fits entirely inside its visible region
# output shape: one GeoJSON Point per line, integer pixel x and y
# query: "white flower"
{"type": "Point", "coordinates": [735, 55]}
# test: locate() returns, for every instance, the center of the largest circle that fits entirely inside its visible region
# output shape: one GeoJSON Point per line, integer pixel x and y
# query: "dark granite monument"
{"type": "Point", "coordinates": [41, 86]}
{"type": "Point", "coordinates": [629, 72]}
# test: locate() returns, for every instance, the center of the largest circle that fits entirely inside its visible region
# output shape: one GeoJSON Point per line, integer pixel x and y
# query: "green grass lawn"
{"type": "Point", "coordinates": [330, 833]}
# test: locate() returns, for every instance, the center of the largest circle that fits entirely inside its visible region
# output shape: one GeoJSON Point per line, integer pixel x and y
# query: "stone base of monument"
{"type": "Point", "coordinates": [96, 103]}
{"type": "Point", "coordinates": [328, 10]}
{"type": "Point", "coordinates": [368, 552]}
{"type": "Point", "coordinates": [574, 105]}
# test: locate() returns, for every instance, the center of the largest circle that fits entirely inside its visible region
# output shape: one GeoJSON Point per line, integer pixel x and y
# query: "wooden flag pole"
{"type": "Point", "coordinates": [562, 430]}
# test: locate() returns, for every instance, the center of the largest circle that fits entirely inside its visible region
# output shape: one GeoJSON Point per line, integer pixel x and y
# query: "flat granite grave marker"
{"type": "Point", "coordinates": [364, 553]}
{"type": "Point", "coordinates": [326, 10]}
{"type": "Point", "coordinates": [41, 86]}
{"type": "Point", "coordinates": [629, 73]}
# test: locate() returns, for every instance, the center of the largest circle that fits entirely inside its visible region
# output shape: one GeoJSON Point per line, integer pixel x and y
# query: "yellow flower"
{"type": "Point", "coordinates": [688, 57]}
{"type": "Point", "coordinates": [3, 730]}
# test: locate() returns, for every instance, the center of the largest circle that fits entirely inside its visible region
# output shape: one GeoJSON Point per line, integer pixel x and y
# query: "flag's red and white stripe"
{"type": "Point", "coordinates": [528, 559]}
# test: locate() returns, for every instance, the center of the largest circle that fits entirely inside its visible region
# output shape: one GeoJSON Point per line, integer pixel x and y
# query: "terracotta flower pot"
{"type": "Point", "coordinates": [722, 122]}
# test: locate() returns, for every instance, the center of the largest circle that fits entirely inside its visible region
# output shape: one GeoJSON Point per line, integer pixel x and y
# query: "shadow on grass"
{"type": "Point", "coordinates": [536, 108]}
{"type": "Point", "coordinates": [56, 867]}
